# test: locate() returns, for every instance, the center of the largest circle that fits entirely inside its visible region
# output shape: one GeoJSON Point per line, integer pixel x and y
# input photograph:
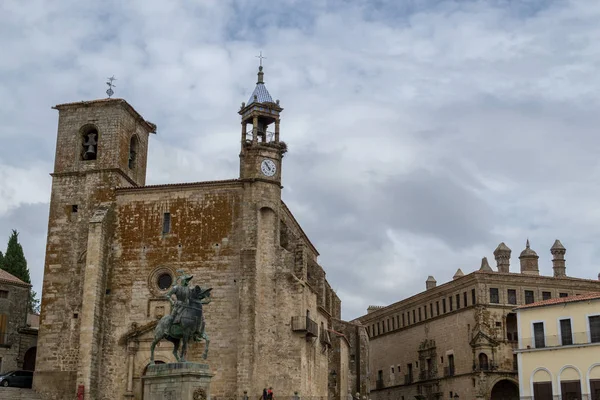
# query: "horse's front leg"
{"type": "Point", "coordinates": [176, 349]}
{"type": "Point", "coordinates": [184, 348]}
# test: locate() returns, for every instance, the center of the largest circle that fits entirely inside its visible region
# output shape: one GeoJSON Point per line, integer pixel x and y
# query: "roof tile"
{"type": "Point", "coordinates": [561, 300]}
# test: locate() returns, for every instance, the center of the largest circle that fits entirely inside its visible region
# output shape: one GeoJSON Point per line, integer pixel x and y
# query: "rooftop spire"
{"type": "Point", "coordinates": [261, 75]}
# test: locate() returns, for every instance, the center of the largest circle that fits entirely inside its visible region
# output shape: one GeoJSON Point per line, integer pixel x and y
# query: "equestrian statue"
{"type": "Point", "coordinates": [186, 320]}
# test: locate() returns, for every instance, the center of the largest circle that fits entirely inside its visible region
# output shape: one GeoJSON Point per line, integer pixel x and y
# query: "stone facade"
{"type": "Point", "coordinates": [114, 246]}
{"type": "Point", "coordinates": [17, 339]}
{"type": "Point", "coordinates": [459, 337]}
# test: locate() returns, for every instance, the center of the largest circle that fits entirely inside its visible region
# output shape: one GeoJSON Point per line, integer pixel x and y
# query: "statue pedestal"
{"type": "Point", "coordinates": [177, 381]}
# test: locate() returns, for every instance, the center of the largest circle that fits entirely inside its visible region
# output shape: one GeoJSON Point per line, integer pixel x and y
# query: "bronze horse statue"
{"type": "Point", "coordinates": [191, 321]}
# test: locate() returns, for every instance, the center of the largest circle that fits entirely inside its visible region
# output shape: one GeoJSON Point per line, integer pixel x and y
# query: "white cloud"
{"type": "Point", "coordinates": [452, 125]}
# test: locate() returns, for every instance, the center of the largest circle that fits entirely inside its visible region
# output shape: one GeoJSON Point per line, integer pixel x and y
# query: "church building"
{"type": "Point", "coordinates": [115, 245]}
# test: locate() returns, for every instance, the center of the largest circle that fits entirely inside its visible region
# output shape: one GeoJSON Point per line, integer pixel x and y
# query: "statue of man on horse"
{"type": "Point", "coordinates": [186, 320]}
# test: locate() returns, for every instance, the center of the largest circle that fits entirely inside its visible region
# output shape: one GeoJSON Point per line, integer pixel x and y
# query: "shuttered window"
{"type": "Point", "coordinates": [566, 335]}
{"type": "Point", "coordinates": [538, 333]}
{"type": "Point", "coordinates": [595, 328]}
{"type": "Point", "coordinates": [3, 328]}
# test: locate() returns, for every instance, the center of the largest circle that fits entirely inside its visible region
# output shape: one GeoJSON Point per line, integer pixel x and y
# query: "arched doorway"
{"type": "Point", "coordinates": [505, 390]}
{"type": "Point", "coordinates": [29, 359]}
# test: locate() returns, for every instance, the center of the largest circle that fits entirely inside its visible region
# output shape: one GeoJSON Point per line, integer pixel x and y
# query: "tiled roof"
{"type": "Point", "coordinates": [561, 300]}
{"type": "Point", "coordinates": [151, 127]}
{"type": "Point", "coordinates": [178, 185]}
{"type": "Point", "coordinates": [261, 93]}
{"type": "Point", "coordinates": [9, 278]}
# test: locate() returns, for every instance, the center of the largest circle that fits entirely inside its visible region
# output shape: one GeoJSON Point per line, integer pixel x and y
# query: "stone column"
{"type": "Point", "coordinates": [277, 131]}
{"type": "Point", "coordinates": [255, 130]}
{"type": "Point", "coordinates": [132, 348]}
{"type": "Point", "coordinates": [244, 132]}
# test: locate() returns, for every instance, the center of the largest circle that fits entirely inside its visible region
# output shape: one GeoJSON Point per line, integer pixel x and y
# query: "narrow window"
{"type": "Point", "coordinates": [595, 329]}
{"type": "Point", "coordinates": [437, 308]}
{"type": "Point", "coordinates": [473, 297]}
{"type": "Point", "coordinates": [512, 296]}
{"type": "Point", "coordinates": [3, 294]}
{"type": "Point", "coordinates": [483, 362]}
{"type": "Point", "coordinates": [538, 334]}
{"type": "Point", "coordinates": [425, 308]}
{"type": "Point", "coordinates": [465, 298]}
{"type": "Point", "coordinates": [414, 317]}
{"type": "Point", "coordinates": [408, 317]}
{"type": "Point", "coordinates": [494, 296]}
{"type": "Point", "coordinates": [444, 306]}
{"type": "Point", "coordinates": [450, 302]}
{"type": "Point", "coordinates": [566, 335]}
{"type": "Point", "coordinates": [529, 298]}
{"type": "Point", "coordinates": [133, 150]}
{"type": "Point", "coordinates": [388, 324]}
{"type": "Point", "coordinates": [458, 301]}
{"type": "Point", "coordinates": [431, 310]}
{"type": "Point", "coordinates": [74, 208]}
{"type": "Point", "coordinates": [166, 223]}
{"type": "Point", "coordinates": [419, 314]}
{"type": "Point", "coordinates": [403, 321]}
{"type": "Point", "coordinates": [563, 295]}
{"type": "Point", "coordinates": [546, 295]}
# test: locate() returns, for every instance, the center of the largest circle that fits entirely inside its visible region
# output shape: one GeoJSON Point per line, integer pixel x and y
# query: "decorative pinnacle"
{"type": "Point", "coordinates": [110, 92]}
{"type": "Point", "coordinates": [527, 244]}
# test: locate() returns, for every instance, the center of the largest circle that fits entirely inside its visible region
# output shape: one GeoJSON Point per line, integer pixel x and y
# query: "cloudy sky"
{"type": "Point", "coordinates": [421, 133]}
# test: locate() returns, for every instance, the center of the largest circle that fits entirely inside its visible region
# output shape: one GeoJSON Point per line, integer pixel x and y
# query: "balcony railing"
{"type": "Point", "coordinates": [448, 371]}
{"type": "Point", "coordinates": [576, 338]}
{"type": "Point", "coordinates": [408, 379]}
{"type": "Point", "coordinates": [425, 375]}
{"type": "Point", "coordinates": [305, 324]}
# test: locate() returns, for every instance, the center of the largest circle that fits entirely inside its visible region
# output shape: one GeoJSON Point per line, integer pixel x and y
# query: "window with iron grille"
{"type": "Point", "coordinates": [494, 296]}
{"type": "Point", "coordinates": [546, 295]}
{"type": "Point", "coordinates": [512, 296]}
{"type": "Point", "coordinates": [529, 298]}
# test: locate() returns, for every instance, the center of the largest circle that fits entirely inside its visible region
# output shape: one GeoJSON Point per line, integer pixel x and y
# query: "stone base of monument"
{"type": "Point", "coordinates": [177, 381]}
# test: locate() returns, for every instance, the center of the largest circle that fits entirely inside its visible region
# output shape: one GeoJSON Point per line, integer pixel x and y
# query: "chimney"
{"type": "Point", "coordinates": [430, 283]}
{"type": "Point", "coordinates": [529, 261]}
{"type": "Point", "coordinates": [485, 266]}
{"type": "Point", "coordinates": [502, 255]}
{"type": "Point", "coordinates": [458, 274]}
{"type": "Point", "coordinates": [558, 259]}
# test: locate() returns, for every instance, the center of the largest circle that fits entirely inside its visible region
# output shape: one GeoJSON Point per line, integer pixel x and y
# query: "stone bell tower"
{"type": "Point", "coordinates": [262, 151]}
{"type": "Point", "coordinates": [101, 145]}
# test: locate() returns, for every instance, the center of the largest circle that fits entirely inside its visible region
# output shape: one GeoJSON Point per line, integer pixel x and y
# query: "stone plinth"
{"type": "Point", "coordinates": [177, 381]}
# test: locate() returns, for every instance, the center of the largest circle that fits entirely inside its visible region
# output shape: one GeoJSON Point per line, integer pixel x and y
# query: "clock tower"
{"type": "Point", "coordinates": [261, 149]}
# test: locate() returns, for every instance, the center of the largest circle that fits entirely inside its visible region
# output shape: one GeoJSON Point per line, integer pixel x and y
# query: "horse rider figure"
{"type": "Point", "coordinates": [182, 292]}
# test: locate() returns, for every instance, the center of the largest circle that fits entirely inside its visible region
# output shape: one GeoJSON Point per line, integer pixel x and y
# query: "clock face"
{"type": "Point", "coordinates": [268, 167]}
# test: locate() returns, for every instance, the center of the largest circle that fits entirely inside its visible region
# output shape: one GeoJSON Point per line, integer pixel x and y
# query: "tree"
{"type": "Point", "coordinates": [1, 260]}
{"type": "Point", "coordinates": [14, 259]}
{"type": "Point", "coordinates": [14, 262]}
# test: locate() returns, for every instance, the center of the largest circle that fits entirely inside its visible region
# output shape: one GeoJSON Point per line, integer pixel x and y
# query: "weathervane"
{"type": "Point", "coordinates": [110, 92]}
{"type": "Point", "coordinates": [260, 56]}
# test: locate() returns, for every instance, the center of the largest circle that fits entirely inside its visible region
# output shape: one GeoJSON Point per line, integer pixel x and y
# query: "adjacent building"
{"type": "Point", "coordinates": [115, 245]}
{"type": "Point", "coordinates": [559, 348]}
{"type": "Point", "coordinates": [457, 340]}
{"type": "Point", "coordinates": [18, 328]}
